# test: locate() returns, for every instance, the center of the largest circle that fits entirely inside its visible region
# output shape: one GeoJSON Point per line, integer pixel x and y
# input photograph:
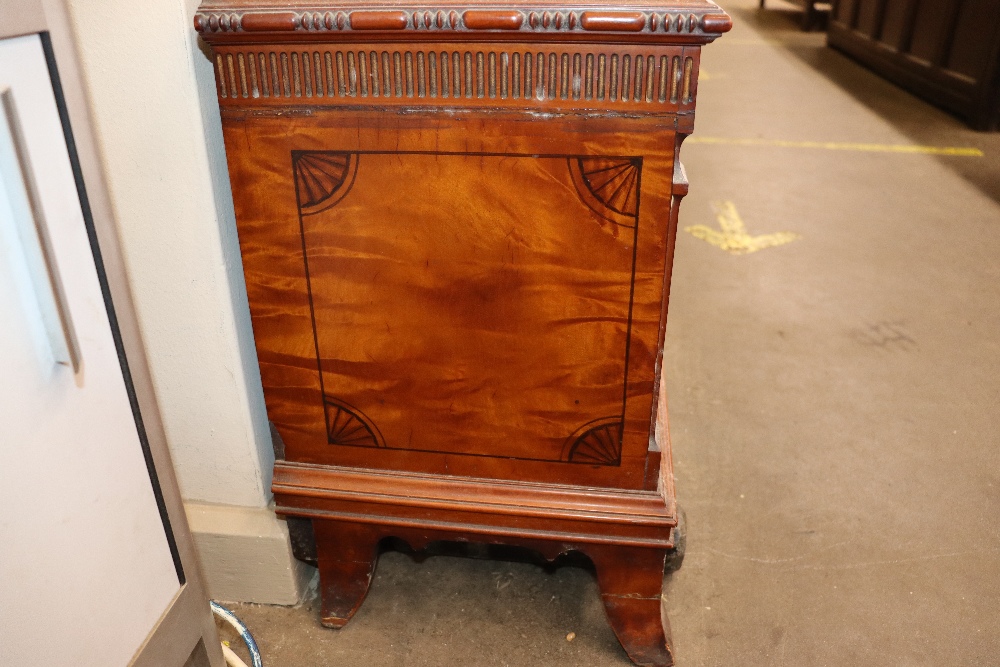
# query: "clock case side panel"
{"type": "Point", "coordinates": [278, 284]}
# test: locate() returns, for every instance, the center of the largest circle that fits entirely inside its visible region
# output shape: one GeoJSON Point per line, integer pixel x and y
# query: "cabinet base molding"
{"type": "Point", "coordinates": [481, 507]}
{"type": "Point", "coordinates": [629, 536]}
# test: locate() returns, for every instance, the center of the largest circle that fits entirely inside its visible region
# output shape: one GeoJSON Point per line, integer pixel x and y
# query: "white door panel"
{"type": "Point", "coordinates": [85, 566]}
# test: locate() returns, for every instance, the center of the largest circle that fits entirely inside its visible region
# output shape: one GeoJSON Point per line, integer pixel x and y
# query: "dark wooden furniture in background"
{"type": "Point", "coordinates": [946, 51]}
{"type": "Point", "coordinates": [457, 225]}
{"type": "Point", "coordinates": [810, 13]}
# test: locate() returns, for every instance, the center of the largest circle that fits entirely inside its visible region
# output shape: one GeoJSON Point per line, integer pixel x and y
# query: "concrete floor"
{"type": "Point", "coordinates": [834, 405]}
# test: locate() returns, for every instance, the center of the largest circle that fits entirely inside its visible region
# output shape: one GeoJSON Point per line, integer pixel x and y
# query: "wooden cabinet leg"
{"type": "Point", "coordinates": [631, 581]}
{"type": "Point", "coordinates": [347, 555]}
{"type": "Point", "coordinates": [809, 15]}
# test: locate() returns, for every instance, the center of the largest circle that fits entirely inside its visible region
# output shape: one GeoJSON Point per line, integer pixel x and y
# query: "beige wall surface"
{"type": "Point", "coordinates": [152, 94]}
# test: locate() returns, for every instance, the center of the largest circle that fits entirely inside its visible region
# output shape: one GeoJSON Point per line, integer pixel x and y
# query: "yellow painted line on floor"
{"type": "Point", "coordinates": [958, 151]}
{"type": "Point", "coordinates": [732, 235]}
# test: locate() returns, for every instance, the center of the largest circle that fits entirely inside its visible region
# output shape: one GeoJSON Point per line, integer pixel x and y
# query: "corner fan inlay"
{"type": "Point", "coordinates": [322, 178]}
{"type": "Point", "coordinates": [598, 442]}
{"type": "Point", "coordinates": [346, 425]}
{"type": "Point", "coordinates": [609, 186]}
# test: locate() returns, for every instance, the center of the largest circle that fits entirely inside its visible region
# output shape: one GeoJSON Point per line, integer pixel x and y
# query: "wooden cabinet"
{"type": "Point", "coordinates": [810, 13]}
{"type": "Point", "coordinates": [457, 225]}
{"type": "Point", "coordinates": [946, 51]}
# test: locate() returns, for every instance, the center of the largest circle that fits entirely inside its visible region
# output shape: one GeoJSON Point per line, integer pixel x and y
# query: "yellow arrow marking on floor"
{"type": "Point", "coordinates": [959, 151]}
{"type": "Point", "coordinates": [734, 238]}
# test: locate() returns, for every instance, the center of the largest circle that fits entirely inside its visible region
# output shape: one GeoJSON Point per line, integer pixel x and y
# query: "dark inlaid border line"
{"type": "Point", "coordinates": [631, 294]}
{"type": "Point", "coordinates": [312, 309]}
{"type": "Point", "coordinates": [295, 154]}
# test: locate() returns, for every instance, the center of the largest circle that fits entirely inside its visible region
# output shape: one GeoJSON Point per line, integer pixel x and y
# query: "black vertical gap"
{"type": "Point", "coordinates": [910, 26]}
{"type": "Point", "coordinates": [855, 13]}
{"type": "Point", "coordinates": [88, 219]}
{"type": "Point", "coordinates": [880, 12]}
{"type": "Point", "coordinates": [943, 55]}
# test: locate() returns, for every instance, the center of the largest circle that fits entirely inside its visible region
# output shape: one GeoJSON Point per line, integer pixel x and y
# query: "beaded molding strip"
{"type": "Point", "coordinates": [706, 25]}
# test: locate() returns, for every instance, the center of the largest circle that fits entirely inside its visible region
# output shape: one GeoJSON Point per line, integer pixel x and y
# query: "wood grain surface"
{"type": "Point", "coordinates": [429, 297]}
{"type": "Point", "coordinates": [457, 224]}
{"type": "Point", "coordinates": [464, 320]}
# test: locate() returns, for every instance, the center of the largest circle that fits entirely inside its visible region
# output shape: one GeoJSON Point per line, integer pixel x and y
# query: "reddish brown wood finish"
{"type": "Point", "coordinates": [494, 322]}
{"type": "Point", "coordinates": [560, 512]}
{"type": "Point", "coordinates": [631, 581]}
{"type": "Point", "coordinates": [378, 20]}
{"type": "Point", "coordinates": [457, 225]}
{"type": "Point", "coordinates": [347, 553]}
{"type": "Point", "coordinates": [493, 20]}
{"type": "Point", "coordinates": [613, 21]}
{"type": "Point", "coordinates": [266, 22]}
{"type": "Point", "coordinates": [630, 578]}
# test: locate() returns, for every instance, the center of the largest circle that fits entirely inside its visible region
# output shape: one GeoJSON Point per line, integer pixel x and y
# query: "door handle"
{"type": "Point", "coordinates": [37, 244]}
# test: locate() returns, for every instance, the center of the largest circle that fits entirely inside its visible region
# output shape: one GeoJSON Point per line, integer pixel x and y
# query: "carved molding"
{"type": "Point", "coordinates": [704, 24]}
{"type": "Point", "coordinates": [585, 513]}
{"type": "Point", "coordinates": [643, 79]}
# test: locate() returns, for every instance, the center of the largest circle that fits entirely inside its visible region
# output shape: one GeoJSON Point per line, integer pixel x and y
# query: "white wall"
{"type": "Point", "coordinates": [153, 98]}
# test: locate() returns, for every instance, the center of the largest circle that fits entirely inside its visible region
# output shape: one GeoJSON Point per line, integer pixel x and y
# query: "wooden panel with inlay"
{"type": "Point", "coordinates": [457, 224]}
{"type": "Point", "coordinates": [504, 324]}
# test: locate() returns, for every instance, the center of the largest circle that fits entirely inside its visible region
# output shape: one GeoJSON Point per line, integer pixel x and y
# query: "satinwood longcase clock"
{"type": "Point", "coordinates": [457, 223]}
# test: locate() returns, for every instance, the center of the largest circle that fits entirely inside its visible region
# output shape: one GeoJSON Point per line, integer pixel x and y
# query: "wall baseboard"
{"type": "Point", "coordinates": [246, 555]}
